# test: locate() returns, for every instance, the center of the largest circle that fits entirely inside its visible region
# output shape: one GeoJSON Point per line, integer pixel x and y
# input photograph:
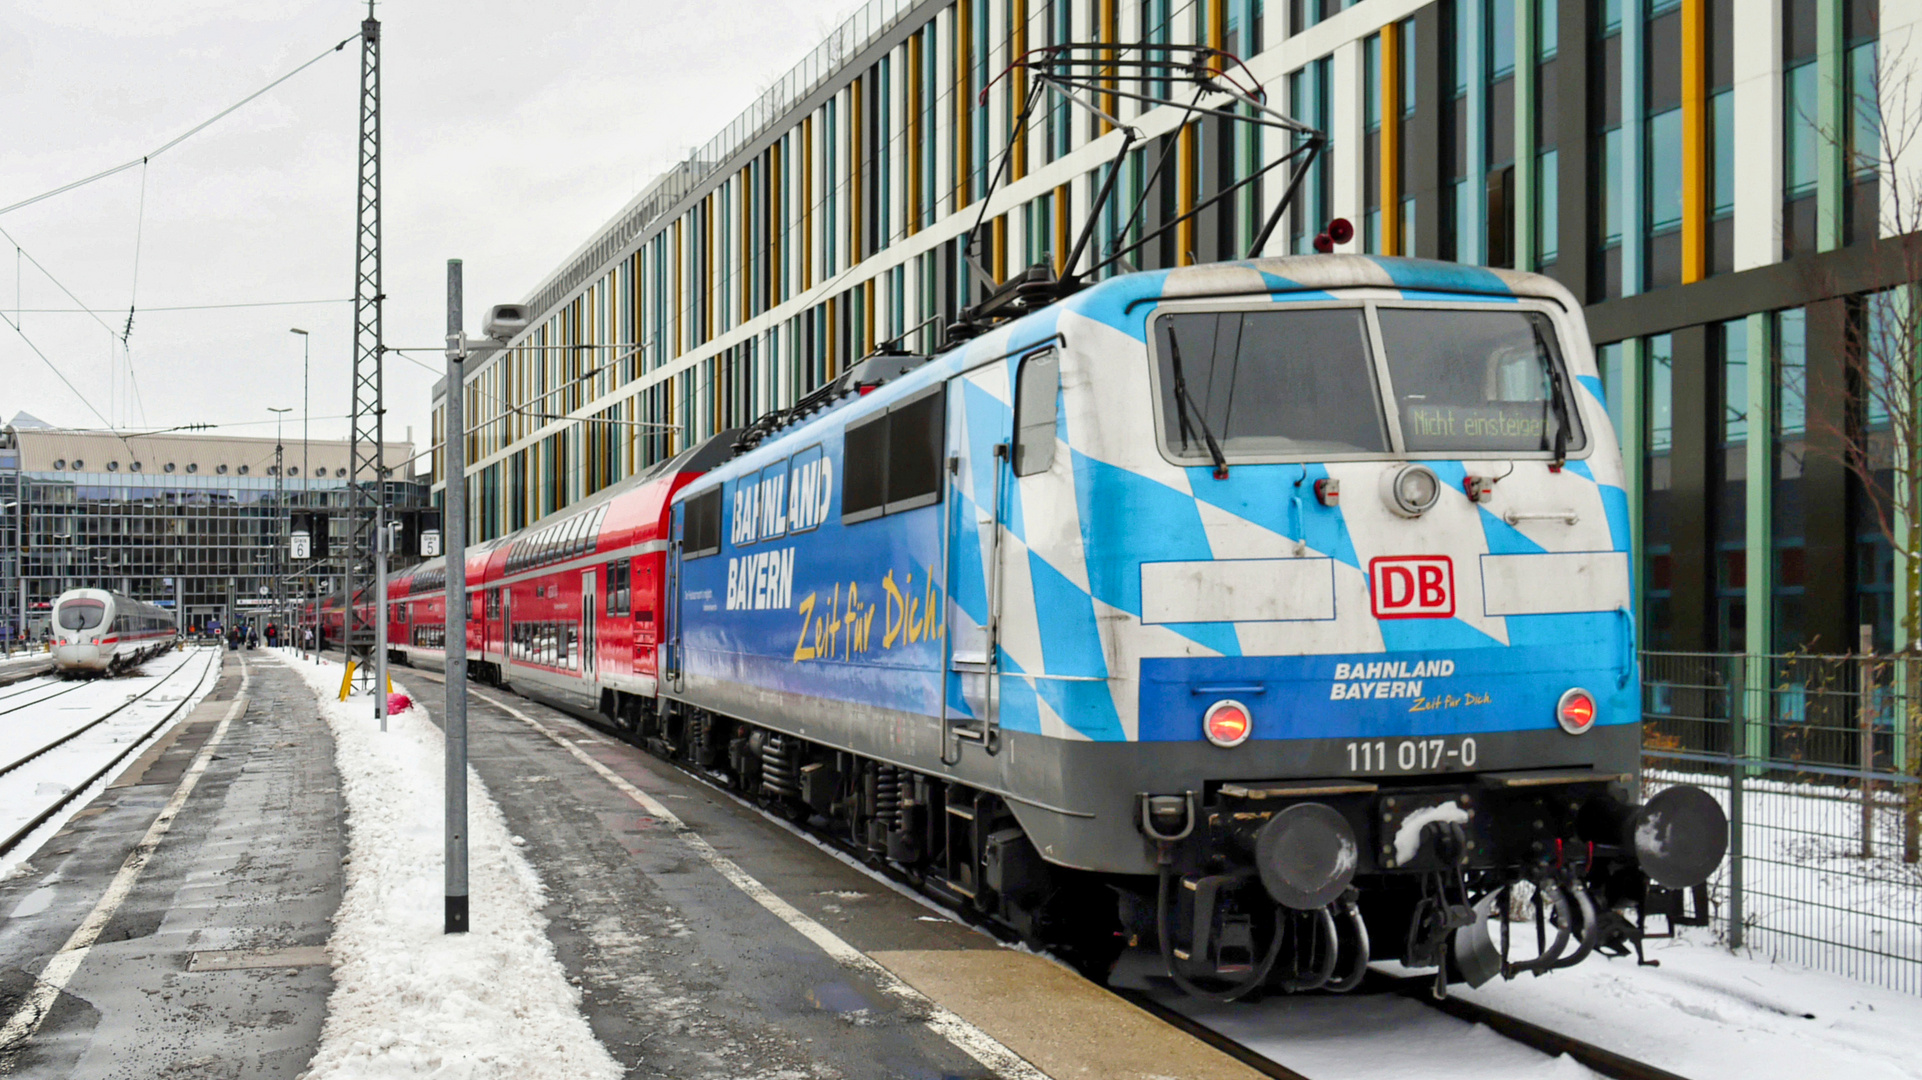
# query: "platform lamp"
{"type": "Point", "coordinates": [306, 471]}
{"type": "Point", "coordinates": [19, 507]}
{"type": "Point", "coordinates": [280, 505]}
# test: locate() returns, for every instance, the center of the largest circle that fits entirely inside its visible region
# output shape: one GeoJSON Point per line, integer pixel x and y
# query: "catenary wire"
{"type": "Point", "coordinates": [178, 139]}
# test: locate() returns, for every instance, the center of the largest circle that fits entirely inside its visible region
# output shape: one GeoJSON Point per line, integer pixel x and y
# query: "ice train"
{"type": "Point", "coordinates": [96, 632]}
{"type": "Point", "coordinates": [1274, 612]}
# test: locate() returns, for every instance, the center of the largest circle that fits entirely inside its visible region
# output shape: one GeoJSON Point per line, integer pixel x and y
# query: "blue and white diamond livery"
{"type": "Point", "coordinates": [1056, 634]}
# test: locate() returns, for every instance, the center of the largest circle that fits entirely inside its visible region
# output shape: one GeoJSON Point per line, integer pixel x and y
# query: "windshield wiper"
{"type": "Point", "coordinates": [1185, 409]}
{"type": "Point", "coordinates": [1560, 400]}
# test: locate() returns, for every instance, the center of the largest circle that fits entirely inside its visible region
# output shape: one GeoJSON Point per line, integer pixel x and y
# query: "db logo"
{"type": "Point", "coordinates": [1412, 586]}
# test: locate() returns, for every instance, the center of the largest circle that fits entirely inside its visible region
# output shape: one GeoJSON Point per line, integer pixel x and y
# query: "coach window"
{"type": "Point", "coordinates": [701, 525]}
{"type": "Point", "coordinates": [1034, 412]}
{"type": "Point", "coordinates": [618, 597]}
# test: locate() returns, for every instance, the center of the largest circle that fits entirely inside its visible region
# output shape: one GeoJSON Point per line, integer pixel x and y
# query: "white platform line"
{"type": "Point", "coordinates": [60, 970]}
{"type": "Point", "coordinates": [971, 1040]}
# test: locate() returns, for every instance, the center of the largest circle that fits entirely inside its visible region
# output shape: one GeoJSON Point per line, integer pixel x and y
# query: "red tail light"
{"type": "Point", "coordinates": [1227, 723]}
{"type": "Point", "coordinates": [1576, 711]}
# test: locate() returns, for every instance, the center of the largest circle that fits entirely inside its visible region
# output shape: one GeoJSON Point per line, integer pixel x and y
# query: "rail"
{"type": "Point", "coordinates": [1818, 762]}
{"type": "Point", "coordinates": [13, 840]}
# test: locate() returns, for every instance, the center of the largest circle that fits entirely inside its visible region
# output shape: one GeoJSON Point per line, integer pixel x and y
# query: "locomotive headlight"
{"type": "Point", "coordinates": [1411, 490]}
{"type": "Point", "coordinates": [1227, 724]}
{"type": "Point", "coordinates": [1575, 711]}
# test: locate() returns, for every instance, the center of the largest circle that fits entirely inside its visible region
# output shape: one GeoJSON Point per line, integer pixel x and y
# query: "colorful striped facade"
{"type": "Point", "coordinates": [1692, 169]}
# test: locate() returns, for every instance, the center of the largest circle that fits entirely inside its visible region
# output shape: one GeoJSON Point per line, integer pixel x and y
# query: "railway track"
{"type": "Point", "coordinates": [1598, 1059]}
{"type": "Point", "coordinates": [210, 668]}
{"type": "Point", "coordinates": [12, 703]}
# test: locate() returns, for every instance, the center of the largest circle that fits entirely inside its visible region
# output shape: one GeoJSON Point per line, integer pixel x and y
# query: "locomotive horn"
{"type": "Point", "coordinates": [1307, 856]}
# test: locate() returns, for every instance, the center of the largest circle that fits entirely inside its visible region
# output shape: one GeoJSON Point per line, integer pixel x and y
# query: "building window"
{"type": "Point", "coordinates": [1789, 524]}
{"type": "Point", "coordinates": [1879, 365]}
{"type": "Point", "coordinates": [1863, 124]}
{"type": "Point", "coordinates": [1801, 117]}
{"type": "Point", "coordinates": [1371, 145]}
{"type": "Point", "coordinates": [1548, 218]}
{"type": "Point", "coordinates": [1658, 510]}
{"type": "Point", "coordinates": [1605, 108]}
{"type": "Point", "coordinates": [1308, 91]}
{"type": "Point", "coordinates": [1609, 360]}
{"type": "Point", "coordinates": [1662, 147]}
{"type": "Point", "coordinates": [1730, 467]}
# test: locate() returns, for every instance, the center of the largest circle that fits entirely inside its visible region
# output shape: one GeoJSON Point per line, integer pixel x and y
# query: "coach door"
{"type": "Point", "coordinates": [590, 655]}
{"type": "Point", "coordinates": [668, 657]}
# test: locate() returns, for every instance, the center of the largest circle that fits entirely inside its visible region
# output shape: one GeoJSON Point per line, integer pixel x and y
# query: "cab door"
{"type": "Point", "coordinates": [997, 432]}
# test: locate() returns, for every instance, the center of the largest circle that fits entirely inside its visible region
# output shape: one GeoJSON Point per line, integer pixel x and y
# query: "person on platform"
{"type": "Point", "coordinates": [273, 635]}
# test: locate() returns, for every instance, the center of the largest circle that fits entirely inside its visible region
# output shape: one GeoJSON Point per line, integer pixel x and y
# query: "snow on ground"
{"type": "Point", "coordinates": [409, 1000]}
{"type": "Point", "coordinates": [1707, 1014]}
{"type": "Point", "coordinates": [27, 790]}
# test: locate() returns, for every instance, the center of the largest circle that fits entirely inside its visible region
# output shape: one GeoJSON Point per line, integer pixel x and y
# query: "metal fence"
{"type": "Point", "coordinates": [1816, 760]}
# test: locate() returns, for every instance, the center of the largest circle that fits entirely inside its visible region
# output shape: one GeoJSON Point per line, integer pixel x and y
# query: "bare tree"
{"type": "Point", "coordinates": [1880, 441]}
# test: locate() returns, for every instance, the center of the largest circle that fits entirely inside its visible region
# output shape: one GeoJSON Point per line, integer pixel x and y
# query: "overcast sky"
{"type": "Point", "coordinates": [511, 132]}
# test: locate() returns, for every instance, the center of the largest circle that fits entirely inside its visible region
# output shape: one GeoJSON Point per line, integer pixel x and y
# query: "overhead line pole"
{"type": "Point", "coordinates": [454, 522]}
{"type": "Point", "coordinates": [367, 474]}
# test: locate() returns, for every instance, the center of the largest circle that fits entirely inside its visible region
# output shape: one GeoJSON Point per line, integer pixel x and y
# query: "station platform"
{"type": "Point", "coordinates": [705, 939]}
{"type": "Point", "coordinates": [24, 665]}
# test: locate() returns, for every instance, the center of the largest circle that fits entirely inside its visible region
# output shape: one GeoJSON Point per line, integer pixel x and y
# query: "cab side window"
{"type": "Point", "coordinates": [1035, 410]}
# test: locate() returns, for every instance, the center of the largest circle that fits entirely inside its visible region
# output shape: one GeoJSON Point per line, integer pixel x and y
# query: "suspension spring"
{"type": "Point", "coordinates": [887, 796]}
{"type": "Point", "coordinates": [779, 776]}
{"type": "Point", "coordinates": [697, 723]}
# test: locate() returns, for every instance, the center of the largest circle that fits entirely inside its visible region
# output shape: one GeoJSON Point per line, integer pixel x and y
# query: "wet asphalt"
{"type": "Point", "coordinates": [249, 867]}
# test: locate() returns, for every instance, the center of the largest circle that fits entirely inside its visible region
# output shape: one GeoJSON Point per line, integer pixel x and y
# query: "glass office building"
{"type": "Point", "coordinates": [1699, 173]}
{"type": "Point", "coordinates": [199, 521]}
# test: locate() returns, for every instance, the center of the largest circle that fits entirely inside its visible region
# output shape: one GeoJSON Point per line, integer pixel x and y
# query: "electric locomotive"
{"type": "Point", "coordinates": [1274, 612]}
{"type": "Point", "coordinates": [1277, 612]}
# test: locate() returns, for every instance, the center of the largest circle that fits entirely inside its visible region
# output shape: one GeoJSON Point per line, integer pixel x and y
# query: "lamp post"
{"type": "Point", "coordinates": [306, 470]}
{"type": "Point", "coordinates": [19, 508]}
{"type": "Point", "coordinates": [280, 504]}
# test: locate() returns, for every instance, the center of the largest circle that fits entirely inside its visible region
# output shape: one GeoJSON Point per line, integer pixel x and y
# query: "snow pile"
{"type": "Point", "coordinates": [1705, 1013]}
{"type": "Point", "coordinates": [409, 1000]}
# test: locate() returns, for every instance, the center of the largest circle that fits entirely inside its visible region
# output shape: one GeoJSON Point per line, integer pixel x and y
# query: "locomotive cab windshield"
{"type": "Point", "coordinates": [1352, 382]}
{"type": "Point", "coordinates": [81, 614]}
